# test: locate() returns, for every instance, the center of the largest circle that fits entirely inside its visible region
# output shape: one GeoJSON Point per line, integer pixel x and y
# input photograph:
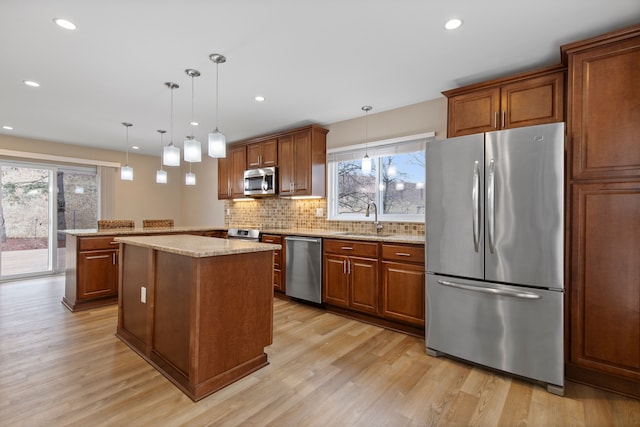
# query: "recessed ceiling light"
{"type": "Point", "coordinates": [194, 123]}
{"type": "Point", "coordinates": [64, 23]}
{"type": "Point", "coordinates": [259, 98]}
{"type": "Point", "coordinates": [452, 24]}
{"type": "Point", "coordinates": [31, 83]}
{"type": "Point", "coordinates": [5, 127]}
{"type": "Point", "coordinates": [135, 147]}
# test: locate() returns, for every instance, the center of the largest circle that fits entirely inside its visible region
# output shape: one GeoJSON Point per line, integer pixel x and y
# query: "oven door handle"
{"type": "Point", "coordinates": [492, 291]}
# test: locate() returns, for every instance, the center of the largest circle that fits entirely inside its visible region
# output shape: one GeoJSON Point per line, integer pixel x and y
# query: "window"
{"type": "Point", "coordinates": [395, 183]}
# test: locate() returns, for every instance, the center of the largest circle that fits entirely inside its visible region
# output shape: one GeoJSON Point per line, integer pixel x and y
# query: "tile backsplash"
{"type": "Point", "coordinates": [275, 213]}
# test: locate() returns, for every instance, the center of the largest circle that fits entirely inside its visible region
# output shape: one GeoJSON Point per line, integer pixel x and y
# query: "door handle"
{"type": "Point", "coordinates": [491, 208]}
{"type": "Point", "coordinates": [492, 291]}
{"type": "Point", "coordinates": [475, 203]}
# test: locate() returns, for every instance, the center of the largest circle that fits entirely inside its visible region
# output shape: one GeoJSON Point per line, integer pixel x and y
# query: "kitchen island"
{"type": "Point", "coordinates": [198, 309]}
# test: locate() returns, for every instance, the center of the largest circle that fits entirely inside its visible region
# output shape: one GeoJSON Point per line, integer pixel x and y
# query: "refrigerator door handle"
{"type": "Point", "coordinates": [492, 291]}
{"type": "Point", "coordinates": [491, 209]}
{"type": "Point", "coordinates": [475, 202]}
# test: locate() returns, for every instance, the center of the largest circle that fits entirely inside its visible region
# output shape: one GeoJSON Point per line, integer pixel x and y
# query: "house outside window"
{"type": "Point", "coordinates": [396, 182]}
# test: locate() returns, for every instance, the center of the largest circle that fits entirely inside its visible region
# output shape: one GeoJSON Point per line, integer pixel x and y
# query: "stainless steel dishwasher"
{"type": "Point", "coordinates": [304, 268]}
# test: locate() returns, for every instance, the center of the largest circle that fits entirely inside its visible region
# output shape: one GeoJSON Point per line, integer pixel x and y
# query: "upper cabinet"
{"type": "Point", "coordinates": [604, 106]}
{"type": "Point", "coordinates": [302, 157]}
{"type": "Point", "coordinates": [231, 173]}
{"type": "Point", "coordinates": [525, 99]}
{"type": "Point", "coordinates": [262, 154]}
{"type": "Point", "coordinates": [299, 154]}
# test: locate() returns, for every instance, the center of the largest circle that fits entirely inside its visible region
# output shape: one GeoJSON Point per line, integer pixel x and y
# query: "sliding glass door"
{"type": "Point", "coordinates": [35, 202]}
{"type": "Point", "coordinates": [26, 211]}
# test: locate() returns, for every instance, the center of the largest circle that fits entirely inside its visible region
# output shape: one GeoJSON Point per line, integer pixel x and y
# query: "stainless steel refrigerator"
{"type": "Point", "coordinates": [494, 239]}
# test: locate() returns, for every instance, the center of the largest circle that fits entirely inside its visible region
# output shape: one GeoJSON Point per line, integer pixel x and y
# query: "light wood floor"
{"type": "Point", "coordinates": [59, 368]}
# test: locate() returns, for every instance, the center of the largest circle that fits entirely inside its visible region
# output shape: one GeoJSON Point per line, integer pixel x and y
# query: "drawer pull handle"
{"type": "Point", "coordinates": [268, 240]}
{"type": "Point", "coordinates": [98, 256]}
{"type": "Point", "coordinates": [402, 254]}
{"type": "Point", "coordinates": [346, 248]}
{"type": "Point", "coordinates": [114, 243]}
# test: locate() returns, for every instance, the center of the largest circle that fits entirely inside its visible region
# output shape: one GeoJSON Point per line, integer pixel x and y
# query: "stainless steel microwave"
{"type": "Point", "coordinates": [260, 182]}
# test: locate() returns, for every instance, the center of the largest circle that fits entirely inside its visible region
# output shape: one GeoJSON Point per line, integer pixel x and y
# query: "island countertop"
{"type": "Point", "coordinates": [197, 246]}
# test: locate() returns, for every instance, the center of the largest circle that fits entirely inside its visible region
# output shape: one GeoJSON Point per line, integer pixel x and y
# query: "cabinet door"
{"type": "Point", "coordinates": [604, 286]}
{"type": "Point", "coordinates": [269, 154]}
{"type": "Point", "coordinates": [302, 163]}
{"type": "Point", "coordinates": [238, 166]}
{"type": "Point", "coordinates": [474, 112]}
{"type": "Point", "coordinates": [363, 273]}
{"type": "Point", "coordinates": [403, 288]}
{"type": "Point", "coordinates": [254, 153]}
{"type": "Point", "coordinates": [533, 101]}
{"type": "Point", "coordinates": [604, 106]}
{"type": "Point", "coordinates": [97, 274]}
{"type": "Point", "coordinates": [224, 179]}
{"type": "Point", "coordinates": [336, 284]}
{"type": "Point", "coordinates": [286, 170]}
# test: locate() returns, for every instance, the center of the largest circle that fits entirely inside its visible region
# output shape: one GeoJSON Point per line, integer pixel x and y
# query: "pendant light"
{"type": "Point", "coordinates": [161, 174]}
{"type": "Point", "coordinates": [192, 147]}
{"type": "Point", "coordinates": [217, 141]}
{"type": "Point", "coordinates": [190, 178]}
{"type": "Point", "coordinates": [366, 160]}
{"type": "Point", "coordinates": [171, 153]}
{"type": "Point", "coordinates": [126, 171]}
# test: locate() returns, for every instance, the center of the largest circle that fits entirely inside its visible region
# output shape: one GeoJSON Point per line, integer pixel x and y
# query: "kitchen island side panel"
{"type": "Point", "coordinates": [238, 288]}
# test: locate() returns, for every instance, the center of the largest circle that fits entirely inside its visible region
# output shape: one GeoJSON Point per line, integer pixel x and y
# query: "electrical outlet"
{"type": "Point", "coordinates": [228, 211]}
{"type": "Point", "coordinates": [319, 212]}
{"type": "Point", "coordinates": [143, 294]}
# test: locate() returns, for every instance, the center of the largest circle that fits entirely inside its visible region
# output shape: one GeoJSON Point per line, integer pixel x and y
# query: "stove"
{"type": "Point", "coordinates": [244, 234]}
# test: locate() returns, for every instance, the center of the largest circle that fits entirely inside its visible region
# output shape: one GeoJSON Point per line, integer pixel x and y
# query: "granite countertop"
{"type": "Point", "coordinates": [138, 230]}
{"type": "Point", "coordinates": [197, 246]}
{"type": "Point", "coordinates": [348, 235]}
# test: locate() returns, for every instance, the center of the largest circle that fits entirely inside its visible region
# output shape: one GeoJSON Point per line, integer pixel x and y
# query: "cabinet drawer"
{"type": "Point", "coordinates": [405, 253]}
{"type": "Point", "coordinates": [93, 243]}
{"type": "Point", "coordinates": [351, 247]}
{"type": "Point", "coordinates": [270, 238]}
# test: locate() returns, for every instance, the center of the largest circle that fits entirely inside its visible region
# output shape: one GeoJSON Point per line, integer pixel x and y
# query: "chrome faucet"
{"type": "Point", "coordinates": [377, 225]}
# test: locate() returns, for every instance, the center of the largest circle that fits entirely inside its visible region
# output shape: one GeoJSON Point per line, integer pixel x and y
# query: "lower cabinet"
{"type": "Point", "coordinates": [97, 274]}
{"type": "Point", "coordinates": [91, 273]}
{"type": "Point", "coordinates": [403, 283]}
{"type": "Point", "coordinates": [279, 271]}
{"type": "Point", "coordinates": [351, 275]}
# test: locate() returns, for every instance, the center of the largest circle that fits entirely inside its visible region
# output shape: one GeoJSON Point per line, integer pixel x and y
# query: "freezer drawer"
{"type": "Point", "coordinates": [511, 328]}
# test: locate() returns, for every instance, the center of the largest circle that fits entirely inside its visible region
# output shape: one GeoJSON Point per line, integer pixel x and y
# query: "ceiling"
{"type": "Point", "coordinates": [313, 61]}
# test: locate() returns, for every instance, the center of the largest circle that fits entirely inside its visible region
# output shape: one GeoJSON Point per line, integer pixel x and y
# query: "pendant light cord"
{"type": "Point", "coordinates": [217, 94]}
{"type": "Point", "coordinates": [192, 83]}
{"type": "Point", "coordinates": [171, 141]}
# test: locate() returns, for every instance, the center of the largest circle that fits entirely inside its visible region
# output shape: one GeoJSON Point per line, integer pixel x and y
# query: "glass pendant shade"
{"type": "Point", "coordinates": [190, 179]}
{"type": "Point", "coordinates": [366, 165]}
{"type": "Point", "coordinates": [217, 144]}
{"type": "Point", "coordinates": [192, 150]}
{"type": "Point", "coordinates": [161, 176]}
{"type": "Point", "coordinates": [171, 155]}
{"type": "Point", "coordinates": [126, 173]}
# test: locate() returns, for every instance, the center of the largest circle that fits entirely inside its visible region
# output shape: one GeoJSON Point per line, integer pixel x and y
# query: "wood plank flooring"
{"type": "Point", "coordinates": [67, 369]}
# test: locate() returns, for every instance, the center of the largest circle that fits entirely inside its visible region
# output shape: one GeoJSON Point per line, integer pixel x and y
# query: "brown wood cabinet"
{"type": "Point", "coordinates": [403, 283]}
{"type": "Point", "coordinates": [302, 158]}
{"type": "Point", "coordinates": [91, 272]}
{"type": "Point", "coordinates": [279, 257]}
{"type": "Point", "coordinates": [351, 275]}
{"type": "Point", "coordinates": [231, 173]}
{"type": "Point", "coordinates": [262, 154]}
{"type": "Point", "coordinates": [525, 99]}
{"type": "Point", "coordinates": [603, 281]}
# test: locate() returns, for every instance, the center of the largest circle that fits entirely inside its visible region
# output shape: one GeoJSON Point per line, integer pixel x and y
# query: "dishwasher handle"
{"type": "Point", "coordinates": [304, 239]}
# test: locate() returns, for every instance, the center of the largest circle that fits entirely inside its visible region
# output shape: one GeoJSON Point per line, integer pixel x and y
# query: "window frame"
{"type": "Point", "coordinates": [357, 152]}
